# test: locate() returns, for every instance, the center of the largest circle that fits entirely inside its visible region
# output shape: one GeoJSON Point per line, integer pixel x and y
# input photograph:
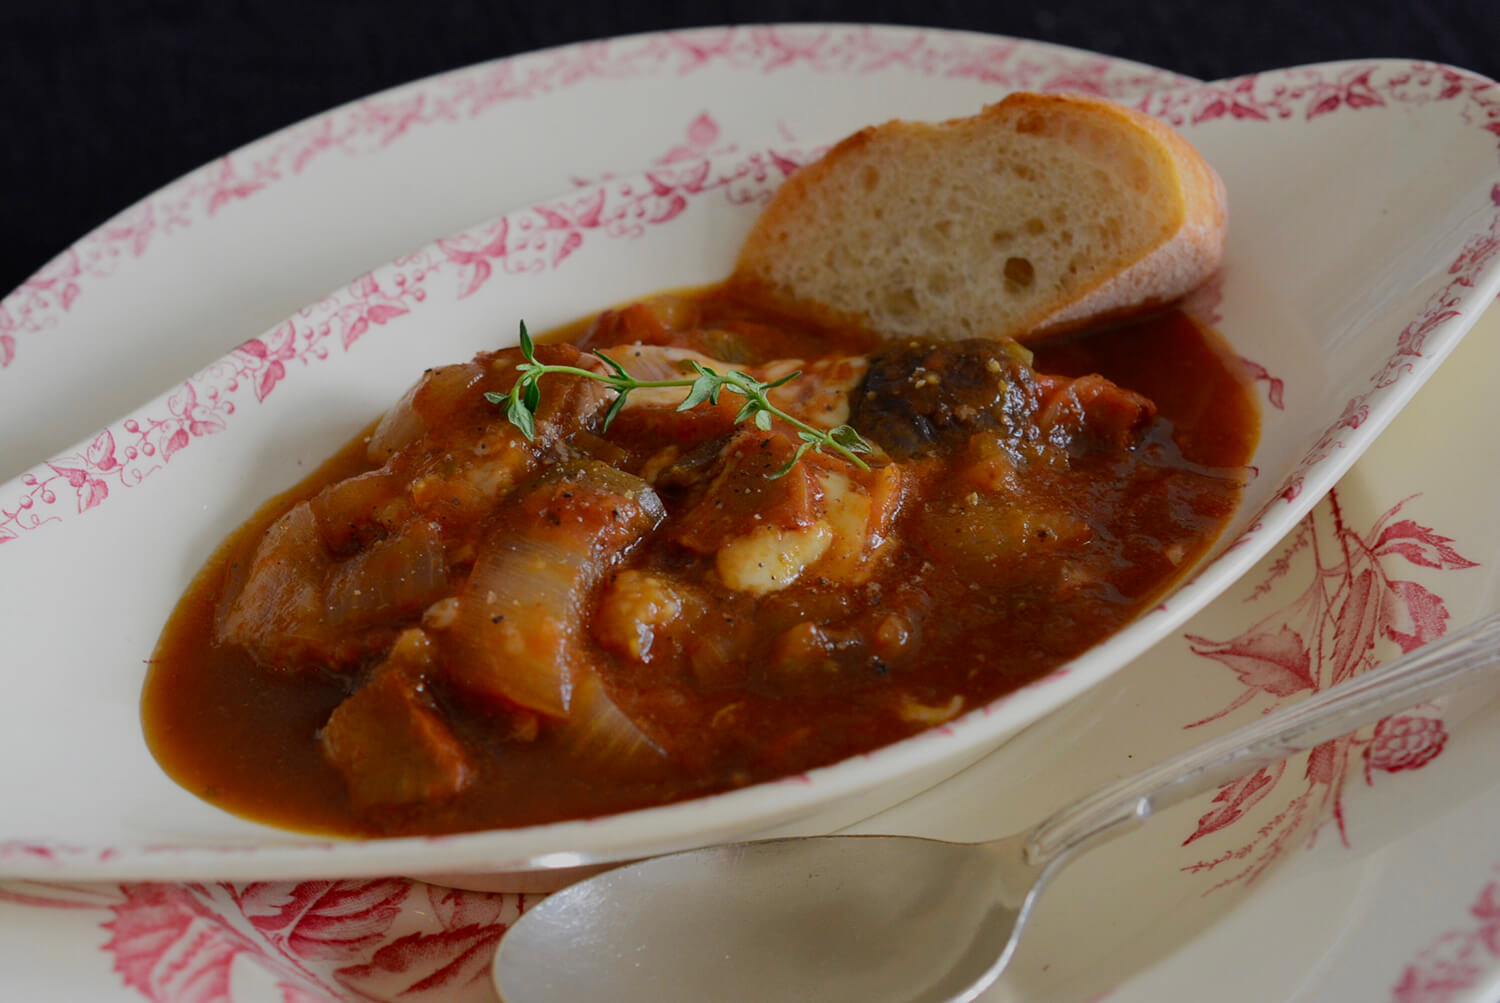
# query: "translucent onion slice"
{"type": "Point", "coordinates": [515, 617]}
{"type": "Point", "coordinates": [398, 427]}
{"type": "Point", "coordinates": [517, 638]}
{"type": "Point", "coordinates": [277, 614]}
{"type": "Point", "coordinates": [600, 737]}
{"type": "Point", "coordinates": [350, 509]}
{"type": "Point", "coordinates": [650, 363]}
{"type": "Point", "coordinates": [399, 576]}
{"type": "Point", "coordinates": [434, 397]}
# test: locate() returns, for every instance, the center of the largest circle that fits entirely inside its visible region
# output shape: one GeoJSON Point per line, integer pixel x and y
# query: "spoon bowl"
{"type": "Point", "coordinates": [867, 917]}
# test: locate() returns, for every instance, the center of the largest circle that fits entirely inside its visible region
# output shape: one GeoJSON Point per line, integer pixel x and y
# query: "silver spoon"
{"type": "Point", "coordinates": [870, 918]}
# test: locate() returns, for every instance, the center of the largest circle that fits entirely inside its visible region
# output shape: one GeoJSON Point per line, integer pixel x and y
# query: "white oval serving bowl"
{"type": "Point", "coordinates": [1364, 224]}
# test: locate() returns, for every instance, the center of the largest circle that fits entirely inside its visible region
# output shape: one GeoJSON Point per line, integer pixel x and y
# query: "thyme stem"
{"type": "Point", "coordinates": [524, 397]}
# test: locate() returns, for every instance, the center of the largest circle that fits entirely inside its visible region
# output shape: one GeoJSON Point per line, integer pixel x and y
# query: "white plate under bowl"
{"type": "Point", "coordinates": [1389, 202]}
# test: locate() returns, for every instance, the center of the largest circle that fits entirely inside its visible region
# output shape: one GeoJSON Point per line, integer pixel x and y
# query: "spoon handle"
{"type": "Point", "coordinates": [1421, 675]}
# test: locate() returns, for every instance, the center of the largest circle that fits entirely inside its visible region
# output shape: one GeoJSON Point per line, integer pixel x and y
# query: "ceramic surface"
{"type": "Point", "coordinates": [1389, 887]}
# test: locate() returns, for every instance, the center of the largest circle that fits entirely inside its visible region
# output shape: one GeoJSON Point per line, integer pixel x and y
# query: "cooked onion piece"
{"type": "Point", "coordinates": [392, 579]}
{"type": "Point", "coordinates": [425, 406]}
{"type": "Point", "coordinates": [599, 736]}
{"type": "Point", "coordinates": [516, 636]}
{"type": "Point", "coordinates": [278, 613]}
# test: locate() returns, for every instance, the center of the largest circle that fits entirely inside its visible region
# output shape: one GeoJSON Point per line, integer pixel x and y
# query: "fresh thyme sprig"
{"type": "Point", "coordinates": [521, 403]}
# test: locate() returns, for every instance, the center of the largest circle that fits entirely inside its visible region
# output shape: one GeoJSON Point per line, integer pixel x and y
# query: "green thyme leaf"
{"type": "Point", "coordinates": [698, 392]}
{"type": "Point", "coordinates": [789, 377]}
{"type": "Point", "coordinates": [615, 408]}
{"type": "Point", "coordinates": [619, 370]}
{"type": "Point", "coordinates": [747, 409]}
{"type": "Point", "coordinates": [520, 416]}
{"type": "Point", "coordinates": [796, 457]}
{"type": "Point", "coordinates": [846, 436]}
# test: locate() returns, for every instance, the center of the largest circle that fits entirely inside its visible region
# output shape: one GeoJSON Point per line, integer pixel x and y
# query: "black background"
{"type": "Point", "coordinates": [102, 102]}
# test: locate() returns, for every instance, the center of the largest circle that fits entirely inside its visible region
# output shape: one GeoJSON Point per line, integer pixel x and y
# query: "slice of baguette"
{"type": "Point", "coordinates": [1038, 213]}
